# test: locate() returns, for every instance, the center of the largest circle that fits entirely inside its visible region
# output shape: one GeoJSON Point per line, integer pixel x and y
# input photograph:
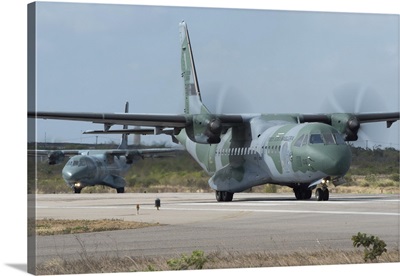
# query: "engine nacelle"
{"type": "Point", "coordinates": [55, 157]}
{"type": "Point", "coordinates": [346, 124]}
{"type": "Point", "coordinates": [132, 157]}
{"type": "Point", "coordinates": [204, 129]}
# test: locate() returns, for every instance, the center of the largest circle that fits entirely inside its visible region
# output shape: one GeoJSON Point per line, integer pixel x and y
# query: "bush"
{"type": "Point", "coordinates": [195, 261]}
{"type": "Point", "coordinates": [395, 177]}
{"type": "Point", "coordinates": [370, 254]}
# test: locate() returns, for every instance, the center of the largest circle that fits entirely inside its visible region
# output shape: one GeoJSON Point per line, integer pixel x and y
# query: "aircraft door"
{"type": "Point", "coordinates": [286, 157]}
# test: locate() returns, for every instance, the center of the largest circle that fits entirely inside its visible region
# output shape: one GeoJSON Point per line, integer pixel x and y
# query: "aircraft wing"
{"type": "Point", "coordinates": [48, 152]}
{"type": "Point", "coordinates": [153, 120]}
{"type": "Point", "coordinates": [151, 152]}
{"type": "Point", "coordinates": [156, 120]}
{"type": "Point", "coordinates": [349, 123]}
{"type": "Point", "coordinates": [57, 156]}
{"type": "Point", "coordinates": [202, 128]}
{"type": "Point", "coordinates": [389, 117]}
{"type": "Point", "coordinates": [206, 128]}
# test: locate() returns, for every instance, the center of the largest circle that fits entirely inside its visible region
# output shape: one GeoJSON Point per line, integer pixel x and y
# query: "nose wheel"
{"type": "Point", "coordinates": [322, 194]}
{"type": "Point", "coordinates": [223, 196]}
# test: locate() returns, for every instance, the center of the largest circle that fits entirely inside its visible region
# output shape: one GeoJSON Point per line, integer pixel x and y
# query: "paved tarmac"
{"type": "Point", "coordinates": [275, 223]}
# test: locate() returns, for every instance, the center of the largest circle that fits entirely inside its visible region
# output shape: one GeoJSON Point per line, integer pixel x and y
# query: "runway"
{"type": "Point", "coordinates": [275, 223]}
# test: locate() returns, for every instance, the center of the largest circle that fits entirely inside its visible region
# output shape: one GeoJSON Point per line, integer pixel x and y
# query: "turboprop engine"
{"type": "Point", "coordinates": [204, 129]}
{"type": "Point", "coordinates": [346, 124]}
{"type": "Point", "coordinates": [132, 156]}
{"type": "Point", "coordinates": [55, 157]}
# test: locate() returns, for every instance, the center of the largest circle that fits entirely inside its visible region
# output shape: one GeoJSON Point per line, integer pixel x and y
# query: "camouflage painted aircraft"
{"type": "Point", "coordinates": [239, 151]}
{"type": "Point", "coordinates": [102, 167]}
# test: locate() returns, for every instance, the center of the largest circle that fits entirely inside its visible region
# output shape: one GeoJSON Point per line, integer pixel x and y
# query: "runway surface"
{"type": "Point", "coordinates": [275, 223]}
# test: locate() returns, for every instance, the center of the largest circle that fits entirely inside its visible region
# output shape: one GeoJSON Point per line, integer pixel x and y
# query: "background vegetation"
{"type": "Point", "coordinates": [372, 171]}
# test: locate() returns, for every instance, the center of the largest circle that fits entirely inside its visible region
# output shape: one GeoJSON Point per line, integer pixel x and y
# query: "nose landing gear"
{"type": "Point", "coordinates": [322, 194]}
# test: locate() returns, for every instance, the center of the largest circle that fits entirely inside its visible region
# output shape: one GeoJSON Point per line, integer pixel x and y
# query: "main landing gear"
{"type": "Point", "coordinates": [302, 193]}
{"type": "Point", "coordinates": [223, 196]}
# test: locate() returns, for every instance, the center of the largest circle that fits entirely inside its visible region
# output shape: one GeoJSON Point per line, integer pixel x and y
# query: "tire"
{"type": "Point", "coordinates": [307, 194]}
{"type": "Point", "coordinates": [319, 194]}
{"type": "Point", "coordinates": [325, 195]}
{"type": "Point", "coordinates": [120, 190]}
{"type": "Point", "coordinates": [218, 196]}
{"type": "Point", "coordinates": [227, 196]}
{"type": "Point", "coordinates": [302, 194]}
{"type": "Point", "coordinates": [223, 196]}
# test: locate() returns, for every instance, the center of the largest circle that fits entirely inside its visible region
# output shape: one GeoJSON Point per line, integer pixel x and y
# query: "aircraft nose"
{"type": "Point", "coordinates": [332, 160]}
{"type": "Point", "coordinates": [74, 174]}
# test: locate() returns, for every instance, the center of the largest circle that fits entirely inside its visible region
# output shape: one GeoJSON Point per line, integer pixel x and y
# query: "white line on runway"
{"type": "Point", "coordinates": [288, 211]}
{"type": "Point", "coordinates": [231, 210]}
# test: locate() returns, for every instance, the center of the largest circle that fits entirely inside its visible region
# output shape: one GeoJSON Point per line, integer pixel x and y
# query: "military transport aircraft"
{"type": "Point", "coordinates": [103, 167]}
{"type": "Point", "coordinates": [239, 151]}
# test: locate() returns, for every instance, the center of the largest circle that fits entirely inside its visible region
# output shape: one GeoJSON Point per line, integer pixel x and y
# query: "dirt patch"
{"type": "Point", "coordinates": [46, 227]}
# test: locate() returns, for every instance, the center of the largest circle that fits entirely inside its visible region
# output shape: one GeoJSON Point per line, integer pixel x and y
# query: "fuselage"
{"type": "Point", "coordinates": [97, 168]}
{"type": "Point", "coordinates": [272, 151]}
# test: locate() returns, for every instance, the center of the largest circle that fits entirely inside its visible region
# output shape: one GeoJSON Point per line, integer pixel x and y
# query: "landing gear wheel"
{"type": "Point", "coordinates": [120, 190]}
{"type": "Point", "coordinates": [319, 194]}
{"type": "Point", "coordinates": [77, 190]}
{"type": "Point", "coordinates": [223, 196]}
{"type": "Point", "coordinates": [325, 195]}
{"type": "Point", "coordinates": [227, 196]}
{"type": "Point", "coordinates": [301, 194]}
{"type": "Point", "coordinates": [218, 196]}
{"type": "Point", "coordinates": [322, 194]}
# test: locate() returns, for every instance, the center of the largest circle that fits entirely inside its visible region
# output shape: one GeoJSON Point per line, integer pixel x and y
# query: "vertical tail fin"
{"type": "Point", "coordinates": [124, 139]}
{"type": "Point", "coordinates": [193, 103]}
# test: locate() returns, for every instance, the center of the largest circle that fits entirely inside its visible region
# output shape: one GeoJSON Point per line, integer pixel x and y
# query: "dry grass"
{"type": "Point", "coordinates": [61, 226]}
{"type": "Point", "coordinates": [214, 260]}
{"type": "Point", "coordinates": [88, 263]}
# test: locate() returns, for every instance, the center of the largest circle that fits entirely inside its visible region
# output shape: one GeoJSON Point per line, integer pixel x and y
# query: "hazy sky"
{"type": "Point", "coordinates": [95, 57]}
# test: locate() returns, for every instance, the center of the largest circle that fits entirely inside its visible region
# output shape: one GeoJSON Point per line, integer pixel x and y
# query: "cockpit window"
{"type": "Point", "coordinates": [305, 140]}
{"type": "Point", "coordinates": [329, 140]}
{"type": "Point", "coordinates": [316, 139]}
{"type": "Point", "coordinates": [339, 139]}
{"type": "Point", "coordinates": [299, 141]}
{"type": "Point", "coordinates": [82, 162]}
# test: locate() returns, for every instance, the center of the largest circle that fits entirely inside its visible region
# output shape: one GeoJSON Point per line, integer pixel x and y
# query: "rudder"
{"type": "Point", "coordinates": [193, 103]}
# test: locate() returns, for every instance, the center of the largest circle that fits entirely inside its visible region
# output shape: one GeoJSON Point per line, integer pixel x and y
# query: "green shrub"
{"type": "Point", "coordinates": [370, 253]}
{"type": "Point", "coordinates": [195, 261]}
{"type": "Point", "coordinates": [371, 178]}
{"type": "Point", "coordinates": [395, 177]}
